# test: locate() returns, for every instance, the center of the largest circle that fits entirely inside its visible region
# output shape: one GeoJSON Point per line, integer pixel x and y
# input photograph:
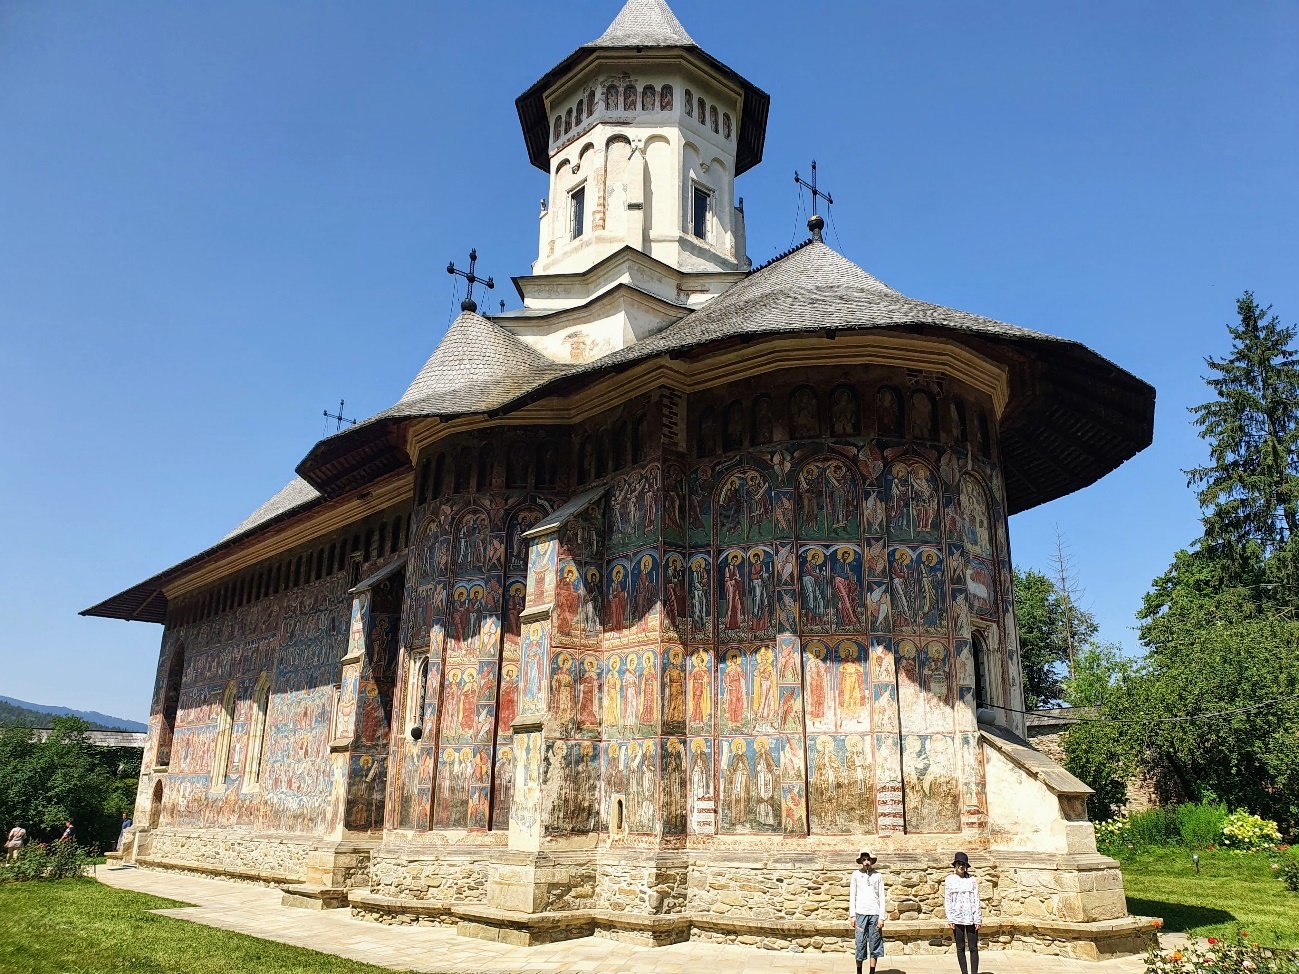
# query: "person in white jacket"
{"type": "Point", "coordinates": [964, 912]}
{"type": "Point", "coordinates": [866, 910]}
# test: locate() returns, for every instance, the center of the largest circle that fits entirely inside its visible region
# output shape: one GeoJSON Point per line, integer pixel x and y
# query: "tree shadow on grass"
{"type": "Point", "coordinates": [1178, 917]}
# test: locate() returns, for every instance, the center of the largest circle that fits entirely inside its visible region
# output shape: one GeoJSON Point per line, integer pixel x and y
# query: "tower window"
{"type": "Point", "coordinates": [703, 201]}
{"type": "Point", "coordinates": [577, 212]}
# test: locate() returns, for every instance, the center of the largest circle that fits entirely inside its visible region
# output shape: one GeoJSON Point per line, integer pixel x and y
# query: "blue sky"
{"type": "Point", "coordinates": [216, 220]}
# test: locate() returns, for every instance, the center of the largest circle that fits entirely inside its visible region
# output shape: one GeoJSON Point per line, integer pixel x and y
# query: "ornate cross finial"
{"type": "Point", "coordinates": [469, 304]}
{"type": "Point", "coordinates": [815, 224]}
{"type": "Point", "coordinates": [339, 418]}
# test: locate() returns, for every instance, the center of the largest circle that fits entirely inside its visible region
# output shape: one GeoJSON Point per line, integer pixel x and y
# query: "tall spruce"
{"type": "Point", "coordinates": [1249, 491]}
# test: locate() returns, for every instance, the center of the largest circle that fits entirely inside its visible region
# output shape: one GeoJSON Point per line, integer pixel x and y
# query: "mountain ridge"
{"type": "Point", "coordinates": [23, 713]}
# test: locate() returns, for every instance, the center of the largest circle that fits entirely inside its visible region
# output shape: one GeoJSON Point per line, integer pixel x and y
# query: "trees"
{"type": "Point", "coordinates": [44, 784]}
{"type": "Point", "coordinates": [1053, 630]}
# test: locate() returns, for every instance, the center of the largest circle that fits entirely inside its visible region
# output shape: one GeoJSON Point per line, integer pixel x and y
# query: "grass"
{"type": "Point", "coordinates": [1234, 891]}
{"type": "Point", "coordinates": [78, 926]}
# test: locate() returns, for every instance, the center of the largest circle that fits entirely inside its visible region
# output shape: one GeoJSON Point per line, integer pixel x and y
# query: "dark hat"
{"type": "Point", "coordinates": [866, 857]}
{"type": "Point", "coordinates": [961, 859]}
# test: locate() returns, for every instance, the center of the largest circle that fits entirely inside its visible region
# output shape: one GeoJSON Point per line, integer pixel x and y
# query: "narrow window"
{"type": "Point", "coordinates": [702, 107]}
{"type": "Point", "coordinates": [638, 440]}
{"type": "Point", "coordinates": [647, 98]}
{"type": "Point", "coordinates": [576, 212]}
{"type": "Point", "coordinates": [225, 724]}
{"type": "Point", "coordinates": [620, 445]}
{"type": "Point", "coordinates": [690, 104]}
{"type": "Point", "coordinates": [568, 121]}
{"type": "Point", "coordinates": [712, 117]}
{"type": "Point", "coordinates": [665, 98]}
{"type": "Point", "coordinates": [383, 537]}
{"type": "Point", "coordinates": [979, 648]}
{"type": "Point", "coordinates": [439, 477]}
{"type": "Point", "coordinates": [425, 472]}
{"type": "Point", "coordinates": [485, 467]}
{"type": "Point", "coordinates": [577, 112]}
{"type": "Point", "coordinates": [333, 555]}
{"type": "Point", "coordinates": [559, 127]}
{"type": "Point", "coordinates": [170, 706]}
{"type": "Point", "coordinates": [418, 698]}
{"type": "Point", "coordinates": [629, 98]}
{"type": "Point", "coordinates": [726, 125]}
{"type": "Point", "coordinates": [611, 98]}
{"type": "Point", "coordinates": [590, 103]}
{"type": "Point", "coordinates": [395, 543]}
{"type": "Point", "coordinates": [546, 465]}
{"type": "Point", "coordinates": [733, 427]}
{"type": "Point", "coordinates": [257, 731]}
{"type": "Point", "coordinates": [702, 201]}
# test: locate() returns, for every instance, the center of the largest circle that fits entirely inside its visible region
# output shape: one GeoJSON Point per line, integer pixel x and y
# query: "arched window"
{"type": "Point", "coordinates": [547, 467]}
{"type": "Point", "coordinates": [464, 469]}
{"type": "Point", "coordinates": [638, 439]}
{"type": "Point", "coordinates": [225, 726]}
{"type": "Point", "coordinates": [297, 572]}
{"type": "Point", "coordinates": [733, 427]}
{"type": "Point", "coordinates": [726, 124]}
{"type": "Point", "coordinates": [979, 647]}
{"type": "Point", "coordinates": [383, 538]}
{"type": "Point", "coordinates": [418, 697]}
{"type": "Point", "coordinates": [924, 417]}
{"type": "Point", "coordinates": [602, 455]}
{"type": "Point", "coordinates": [702, 108]}
{"type": "Point", "coordinates": [761, 427]}
{"type": "Point", "coordinates": [804, 414]}
{"type": "Point", "coordinates": [257, 731]}
{"type": "Point", "coordinates": [155, 805]}
{"type": "Point", "coordinates": [712, 117]}
{"type": "Point", "coordinates": [629, 98]}
{"type": "Point", "coordinates": [985, 440]}
{"type": "Point", "coordinates": [568, 121]}
{"type": "Point", "coordinates": [397, 536]}
{"type": "Point", "coordinates": [620, 446]}
{"type": "Point", "coordinates": [647, 98]}
{"type": "Point", "coordinates": [888, 412]}
{"type": "Point", "coordinates": [368, 550]}
{"type": "Point", "coordinates": [665, 98]}
{"type": "Point", "coordinates": [690, 104]}
{"type": "Point", "coordinates": [845, 416]}
{"type": "Point", "coordinates": [332, 564]}
{"type": "Point", "coordinates": [439, 477]}
{"type": "Point", "coordinates": [960, 428]}
{"type": "Point", "coordinates": [516, 465]}
{"type": "Point", "coordinates": [706, 441]}
{"type": "Point", "coordinates": [577, 112]}
{"type": "Point", "coordinates": [485, 467]}
{"type": "Point", "coordinates": [559, 127]}
{"type": "Point", "coordinates": [586, 461]}
{"type": "Point", "coordinates": [170, 705]}
{"type": "Point", "coordinates": [320, 563]}
{"type": "Point", "coordinates": [611, 98]}
{"type": "Point", "coordinates": [590, 103]}
{"type": "Point", "coordinates": [425, 474]}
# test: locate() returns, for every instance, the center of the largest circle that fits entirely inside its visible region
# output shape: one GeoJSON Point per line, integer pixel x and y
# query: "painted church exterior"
{"type": "Point", "coordinates": [651, 602]}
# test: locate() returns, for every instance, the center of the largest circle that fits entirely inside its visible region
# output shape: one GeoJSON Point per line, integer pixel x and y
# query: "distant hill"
{"type": "Point", "coordinates": [20, 713]}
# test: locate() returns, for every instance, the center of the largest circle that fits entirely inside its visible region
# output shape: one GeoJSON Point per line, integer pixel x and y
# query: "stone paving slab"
{"type": "Point", "coordinates": [256, 910]}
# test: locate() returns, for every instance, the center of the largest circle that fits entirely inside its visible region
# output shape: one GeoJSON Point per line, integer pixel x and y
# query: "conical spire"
{"type": "Point", "coordinates": [645, 23]}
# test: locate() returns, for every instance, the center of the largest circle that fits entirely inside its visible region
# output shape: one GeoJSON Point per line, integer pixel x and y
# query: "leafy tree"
{"type": "Point", "coordinates": [44, 784]}
{"type": "Point", "coordinates": [1048, 625]}
{"type": "Point", "coordinates": [1099, 669]}
{"type": "Point", "coordinates": [1249, 491]}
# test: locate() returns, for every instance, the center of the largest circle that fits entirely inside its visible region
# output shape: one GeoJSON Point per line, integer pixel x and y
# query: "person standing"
{"type": "Point", "coordinates": [69, 833]}
{"type": "Point", "coordinates": [17, 839]}
{"type": "Point", "coordinates": [866, 910]}
{"type": "Point", "coordinates": [126, 824]}
{"type": "Point", "coordinates": [964, 912]}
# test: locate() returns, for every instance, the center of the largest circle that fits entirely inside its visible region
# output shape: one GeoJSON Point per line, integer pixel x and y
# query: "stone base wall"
{"type": "Point", "coordinates": [441, 876]}
{"type": "Point", "coordinates": [271, 859]}
{"type": "Point", "coordinates": [649, 885]}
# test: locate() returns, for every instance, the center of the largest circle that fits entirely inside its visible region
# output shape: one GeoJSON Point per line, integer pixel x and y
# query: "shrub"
{"type": "Point", "coordinates": [1153, 827]}
{"type": "Point", "coordinates": [1288, 872]}
{"type": "Point", "coordinates": [58, 860]}
{"type": "Point", "coordinates": [1200, 824]}
{"type": "Point", "coordinates": [1241, 830]}
{"type": "Point", "coordinates": [1222, 957]}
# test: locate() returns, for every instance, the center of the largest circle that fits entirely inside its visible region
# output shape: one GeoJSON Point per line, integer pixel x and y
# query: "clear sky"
{"type": "Point", "coordinates": [218, 219]}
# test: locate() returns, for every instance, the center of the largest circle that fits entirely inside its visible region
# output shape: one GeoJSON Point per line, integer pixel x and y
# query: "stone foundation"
{"type": "Point", "coordinates": [267, 859]}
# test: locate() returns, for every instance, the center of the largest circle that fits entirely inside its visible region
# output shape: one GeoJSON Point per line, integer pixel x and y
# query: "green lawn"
{"type": "Point", "coordinates": [1234, 891]}
{"type": "Point", "coordinates": [77, 926]}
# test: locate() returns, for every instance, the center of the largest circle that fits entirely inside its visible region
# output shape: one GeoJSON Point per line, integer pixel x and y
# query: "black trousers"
{"type": "Point", "coordinates": [967, 936]}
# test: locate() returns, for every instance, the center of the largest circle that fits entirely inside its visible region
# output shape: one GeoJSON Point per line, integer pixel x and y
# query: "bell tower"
{"type": "Point", "coordinates": [641, 134]}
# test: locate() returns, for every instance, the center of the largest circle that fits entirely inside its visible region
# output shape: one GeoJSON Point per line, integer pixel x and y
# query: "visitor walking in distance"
{"type": "Point", "coordinates": [964, 913]}
{"type": "Point", "coordinates": [17, 839]}
{"type": "Point", "coordinates": [69, 833]}
{"type": "Point", "coordinates": [866, 910]}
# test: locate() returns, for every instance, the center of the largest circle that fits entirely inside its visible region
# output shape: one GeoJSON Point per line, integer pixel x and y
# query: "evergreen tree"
{"type": "Point", "coordinates": [1249, 491]}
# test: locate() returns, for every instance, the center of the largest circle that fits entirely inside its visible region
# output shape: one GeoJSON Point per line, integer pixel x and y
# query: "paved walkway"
{"type": "Point", "coordinates": [256, 910]}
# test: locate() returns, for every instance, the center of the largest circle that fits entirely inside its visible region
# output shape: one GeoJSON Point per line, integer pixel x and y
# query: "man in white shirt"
{"type": "Point", "coordinates": [866, 910]}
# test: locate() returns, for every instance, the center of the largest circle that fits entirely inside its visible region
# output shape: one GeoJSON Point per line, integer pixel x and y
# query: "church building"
{"type": "Point", "coordinates": [650, 603]}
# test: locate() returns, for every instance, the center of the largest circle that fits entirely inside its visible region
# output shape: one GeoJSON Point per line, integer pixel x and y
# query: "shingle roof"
{"type": "Point", "coordinates": [477, 366]}
{"type": "Point", "coordinates": [296, 493]}
{"type": "Point", "coordinates": [645, 23]}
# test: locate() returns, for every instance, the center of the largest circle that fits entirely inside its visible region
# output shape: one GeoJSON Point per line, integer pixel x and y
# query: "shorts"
{"type": "Point", "coordinates": [870, 941]}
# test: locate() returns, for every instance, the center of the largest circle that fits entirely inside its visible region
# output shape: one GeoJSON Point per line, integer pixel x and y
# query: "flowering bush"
{"type": "Point", "coordinates": [1242, 830]}
{"type": "Point", "coordinates": [1287, 870]}
{"type": "Point", "coordinates": [1222, 957]}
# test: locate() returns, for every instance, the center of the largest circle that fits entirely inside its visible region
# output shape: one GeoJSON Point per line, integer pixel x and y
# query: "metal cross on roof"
{"type": "Point", "coordinates": [469, 304]}
{"type": "Point", "coordinates": [339, 417]}
{"type": "Point", "coordinates": [812, 186]}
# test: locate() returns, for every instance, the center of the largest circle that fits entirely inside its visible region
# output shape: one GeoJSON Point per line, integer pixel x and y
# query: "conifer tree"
{"type": "Point", "coordinates": [1249, 491]}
